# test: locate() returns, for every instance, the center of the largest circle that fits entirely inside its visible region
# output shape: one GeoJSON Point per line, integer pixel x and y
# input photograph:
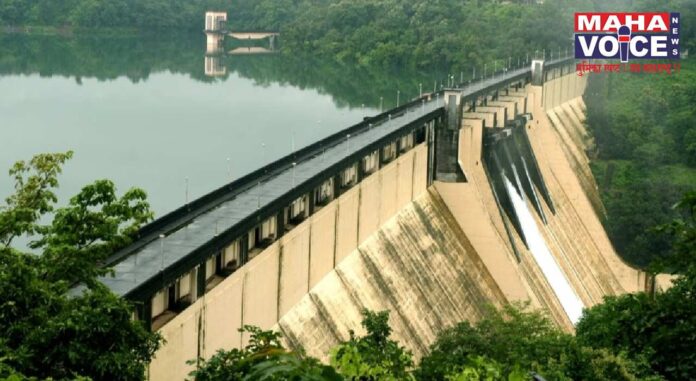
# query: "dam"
{"type": "Point", "coordinates": [479, 194]}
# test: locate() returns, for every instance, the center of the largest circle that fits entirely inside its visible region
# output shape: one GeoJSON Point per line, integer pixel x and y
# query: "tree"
{"type": "Point", "coordinates": [373, 356]}
{"type": "Point", "coordinates": [49, 328]}
{"type": "Point", "coordinates": [33, 197]}
{"type": "Point", "coordinates": [511, 337]}
{"type": "Point", "coordinates": [94, 225]}
{"type": "Point", "coordinates": [657, 329]}
{"type": "Point", "coordinates": [264, 358]}
{"type": "Point", "coordinates": [682, 233]}
{"type": "Point", "coordinates": [511, 343]}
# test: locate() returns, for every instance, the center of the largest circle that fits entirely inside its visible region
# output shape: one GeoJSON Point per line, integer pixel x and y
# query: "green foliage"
{"type": "Point", "coordinates": [91, 335]}
{"type": "Point", "coordinates": [94, 225]}
{"type": "Point", "coordinates": [480, 368]}
{"type": "Point", "coordinates": [139, 57]}
{"type": "Point", "coordinates": [373, 356]}
{"type": "Point", "coordinates": [510, 343]}
{"type": "Point", "coordinates": [401, 34]}
{"type": "Point", "coordinates": [646, 327]}
{"type": "Point", "coordinates": [145, 14]}
{"type": "Point", "coordinates": [643, 127]}
{"type": "Point", "coordinates": [425, 34]}
{"type": "Point", "coordinates": [512, 338]}
{"type": "Point", "coordinates": [682, 233]}
{"type": "Point", "coordinates": [507, 345]}
{"type": "Point", "coordinates": [386, 33]}
{"type": "Point", "coordinates": [264, 358]}
{"type": "Point", "coordinates": [44, 331]}
{"type": "Point", "coordinates": [657, 330]}
{"type": "Point", "coordinates": [33, 197]}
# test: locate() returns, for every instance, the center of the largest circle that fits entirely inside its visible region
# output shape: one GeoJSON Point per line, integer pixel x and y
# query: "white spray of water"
{"type": "Point", "coordinates": [570, 302]}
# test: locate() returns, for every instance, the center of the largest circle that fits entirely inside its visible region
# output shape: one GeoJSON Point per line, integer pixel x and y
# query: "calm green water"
{"type": "Point", "coordinates": [142, 112]}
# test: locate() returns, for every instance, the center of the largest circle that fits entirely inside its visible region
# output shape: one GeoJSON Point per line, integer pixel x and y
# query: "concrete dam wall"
{"type": "Point", "coordinates": [524, 229]}
{"type": "Point", "coordinates": [448, 254]}
{"type": "Point", "coordinates": [279, 277]}
{"type": "Point", "coordinates": [419, 266]}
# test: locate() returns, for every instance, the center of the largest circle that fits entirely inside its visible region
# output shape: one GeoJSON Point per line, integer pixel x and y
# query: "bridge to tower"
{"type": "Point", "coordinates": [216, 29]}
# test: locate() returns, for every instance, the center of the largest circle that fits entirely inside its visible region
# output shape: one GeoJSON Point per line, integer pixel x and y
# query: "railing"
{"type": "Point", "coordinates": [187, 213]}
{"type": "Point", "coordinates": [180, 216]}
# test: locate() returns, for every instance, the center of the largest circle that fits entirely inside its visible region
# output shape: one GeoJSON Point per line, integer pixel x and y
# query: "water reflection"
{"type": "Point", "coordinates": [140, 109]}
{"type": "Point", "coordinates": [137, 57]}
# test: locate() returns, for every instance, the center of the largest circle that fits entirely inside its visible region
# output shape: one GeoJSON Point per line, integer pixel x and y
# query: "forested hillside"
{"type": "Point", "coordinates": [645, 131]}
{"type": "Point", "coordinates": [426, 34]}
{"type": "Point", "coordinates": [644, 126]}
{"type": "Point", "coordinates": [395, 33]}
{"type": "Point", "coordinates": [143, 14]}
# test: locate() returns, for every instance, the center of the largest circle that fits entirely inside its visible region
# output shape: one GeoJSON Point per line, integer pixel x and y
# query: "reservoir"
{"type": "Point", "coordinates": [142, 111]}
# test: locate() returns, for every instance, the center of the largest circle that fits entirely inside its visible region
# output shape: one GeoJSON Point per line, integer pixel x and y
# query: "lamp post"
{"type": "Point", "coordinates": [162, 250]}
{"type": "Point", "coordinates": [263, 162]}
{"type": "Point", "coordinates": [294, 164]}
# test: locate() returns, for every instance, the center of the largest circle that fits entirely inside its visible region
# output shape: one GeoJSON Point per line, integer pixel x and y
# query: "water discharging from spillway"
{"type": "Point", "coordinates": [542, 255]}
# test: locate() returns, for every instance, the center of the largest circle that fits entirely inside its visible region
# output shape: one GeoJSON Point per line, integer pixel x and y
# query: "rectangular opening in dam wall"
{"type": "Point", "coordinates": [195, 265]}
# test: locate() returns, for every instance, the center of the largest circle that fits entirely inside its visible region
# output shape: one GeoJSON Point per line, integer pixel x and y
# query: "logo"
{"type": "Point", "coordinates": [627, 36]}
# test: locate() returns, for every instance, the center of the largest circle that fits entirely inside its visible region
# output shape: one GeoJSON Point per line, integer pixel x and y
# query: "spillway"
{"type": "Point", "coordinates": [542, 255]}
